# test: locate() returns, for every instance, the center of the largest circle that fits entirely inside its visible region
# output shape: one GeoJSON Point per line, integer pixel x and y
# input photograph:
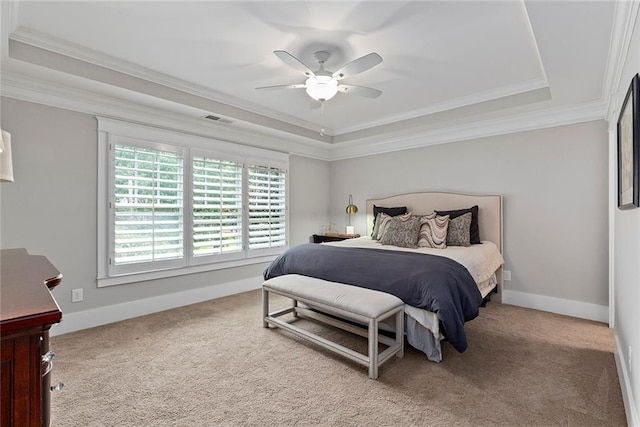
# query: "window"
{"type": "Point", "coordinates": [217, 207]}
{"type": "Point", "coordinates": [147, 208]}
{"type": "Point", "coordinates": [174, 207]}
{"type": "Point", "coordinates": [267, 207]}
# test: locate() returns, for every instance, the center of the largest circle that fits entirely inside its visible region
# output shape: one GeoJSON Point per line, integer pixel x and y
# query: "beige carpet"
{"type": "Point", "coordinates": [212, 364]}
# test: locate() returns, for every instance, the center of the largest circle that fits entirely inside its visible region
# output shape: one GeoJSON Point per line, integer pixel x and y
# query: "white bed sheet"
{"type": "Point", "coordinates": [482, 260]}
{"type": "Point", "coordinates": [422, 326]}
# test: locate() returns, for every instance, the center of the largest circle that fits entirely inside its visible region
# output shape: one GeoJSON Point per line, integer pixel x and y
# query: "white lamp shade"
{"type": "Point", "coordinates": [6, 163]}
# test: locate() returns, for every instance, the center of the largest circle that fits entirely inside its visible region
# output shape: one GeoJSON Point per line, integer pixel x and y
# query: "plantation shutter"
{"type": "Point", "coordinates": [217, 207]}
{"type": "Point", "coordinates": [172, 203]}
{"type": "Point", "coordinates": [267, 207]}
{"type": "Point", "coordinates": [147, 210]}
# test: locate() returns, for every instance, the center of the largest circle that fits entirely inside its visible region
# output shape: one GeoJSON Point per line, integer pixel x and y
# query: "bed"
{"type": "Point", "coordinates": [426, 325]}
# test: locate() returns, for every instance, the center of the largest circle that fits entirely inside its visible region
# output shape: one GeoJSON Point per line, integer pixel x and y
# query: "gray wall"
{"type": "Point", "coordinates": [554, 183]}
{"type": "Point", "coordinates": [309, 197]}
{"type": "Point", "coordinates": [626, 252]}
{"type": "Point", "coordinates": [554, 186]}
{"type": "Point", "coordinates": [50, 209]}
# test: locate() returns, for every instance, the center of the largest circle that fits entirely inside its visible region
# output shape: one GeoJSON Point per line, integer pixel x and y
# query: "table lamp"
{"type": "Point", "coordinates": [351, 209]}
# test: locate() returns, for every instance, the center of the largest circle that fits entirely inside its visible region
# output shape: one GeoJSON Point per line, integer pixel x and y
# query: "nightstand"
{"type": "Point", "coordinates": [331, 237]}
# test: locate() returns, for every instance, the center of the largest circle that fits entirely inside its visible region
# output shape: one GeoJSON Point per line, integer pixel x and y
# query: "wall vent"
{"type": "Point", "coordinates": [217, 119]}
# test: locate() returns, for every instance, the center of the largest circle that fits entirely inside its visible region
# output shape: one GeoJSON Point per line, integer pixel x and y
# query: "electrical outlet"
{"type": "Point", "coordinates": [76, 295]}
{"type": "Point", "coordinates": [506, 275]}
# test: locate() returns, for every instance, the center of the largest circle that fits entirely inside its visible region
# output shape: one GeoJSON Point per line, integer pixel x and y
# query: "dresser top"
{"type": "Point", "coordinates": [25, 298]}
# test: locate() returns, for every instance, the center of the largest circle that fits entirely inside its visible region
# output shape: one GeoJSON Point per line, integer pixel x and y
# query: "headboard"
{"type": "Point", "coordinates": [489, 212]}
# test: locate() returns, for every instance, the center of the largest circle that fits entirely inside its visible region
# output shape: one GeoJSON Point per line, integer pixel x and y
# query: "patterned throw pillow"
{"type": "Point", "coordinates": [402, 233]}
{"type": "Point", "coordinates": [385, 220]}
{"type": "Point", "coordinates": [458, 233]}
{"type": "Point", "coordinates": [475, 225]}
{"type": "Point", "coordinates": [380, 218]}
{"type": "Point", "coordinates": [433, 232]}
{"type": "Point", "coordinates": [376, 226]}
{"type": "Point", "coordinates": [377, 210]}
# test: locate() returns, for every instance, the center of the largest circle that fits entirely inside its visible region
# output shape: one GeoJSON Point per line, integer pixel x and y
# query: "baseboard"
{"type": "Point", "coordinates": [583, 310]}
{"type": "Point", "coordinates": [625, 386]}
{"type": "Point", "coordinates": [114, 313]}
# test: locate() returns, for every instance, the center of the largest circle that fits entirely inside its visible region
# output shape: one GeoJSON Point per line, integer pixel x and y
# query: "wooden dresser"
{"type": "Point", "coordinates": [27, 311]}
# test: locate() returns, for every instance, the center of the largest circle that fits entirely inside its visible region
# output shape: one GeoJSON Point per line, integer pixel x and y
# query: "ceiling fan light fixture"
{"type": "Point", "coordinates": [321, 88]}
{"type": "Point", "coordinates": [322, 85]}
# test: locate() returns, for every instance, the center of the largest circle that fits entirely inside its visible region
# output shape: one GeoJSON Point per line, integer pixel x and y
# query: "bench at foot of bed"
{"type": "Point", "coordinates": [352, 303]}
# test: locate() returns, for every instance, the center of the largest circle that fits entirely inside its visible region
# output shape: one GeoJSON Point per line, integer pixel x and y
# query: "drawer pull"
{"type": "Point", "coordinates": [48, 359]}
{"type": "Point", "coordinates": [57, 387]}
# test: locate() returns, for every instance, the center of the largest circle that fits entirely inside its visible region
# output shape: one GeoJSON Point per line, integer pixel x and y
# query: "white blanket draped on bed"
{"type": "Point", "coordinates": [423, 328]}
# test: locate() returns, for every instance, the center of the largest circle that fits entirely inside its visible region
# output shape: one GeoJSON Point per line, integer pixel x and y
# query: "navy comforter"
{"type": "Point", "coordinates": [431, 282]}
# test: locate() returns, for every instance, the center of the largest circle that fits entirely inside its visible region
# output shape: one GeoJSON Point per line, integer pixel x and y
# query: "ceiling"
{"type": "Point", "coordinates": [445, 63]}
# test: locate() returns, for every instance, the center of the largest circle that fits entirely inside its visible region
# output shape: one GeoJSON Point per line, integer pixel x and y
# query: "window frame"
{"type": "Point", "coordinates": [212, 259]}
{"type": "Point", "coordinates": [124, 269]}
{"type": "Point", "coordinates": [112, 131]}
{"type": "Point", "coordinates": [264, 251]}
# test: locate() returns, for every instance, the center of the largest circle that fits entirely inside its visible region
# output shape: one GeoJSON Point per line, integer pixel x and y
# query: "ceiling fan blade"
{"type": "Point", "coordinates": [367, 92]}
{"type": "Point", "coordinates": [294, 62]}
{"type": "Point", "coordinates": [357, 66]}
{"type": "Point", "coordinates": [296, 86]}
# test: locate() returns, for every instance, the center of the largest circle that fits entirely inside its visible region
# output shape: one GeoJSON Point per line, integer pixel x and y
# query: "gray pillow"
{"type": "Point", "coordinates": [458, 233]}
{"type": "Point", "coordinates": [384, 220]}
{"type": "Point", "coordinates": [377, 210]}
{"type": "Point", "coordinates": [475, 227]}
{"type": "Point", "coordinates": [402, 233]}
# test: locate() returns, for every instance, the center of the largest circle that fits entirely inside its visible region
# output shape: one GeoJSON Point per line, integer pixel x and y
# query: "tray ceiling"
{"type": "Point", "coordinates": [445, 63]}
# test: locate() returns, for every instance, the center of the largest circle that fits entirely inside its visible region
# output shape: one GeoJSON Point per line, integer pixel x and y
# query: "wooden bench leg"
{"type": "Point", "coordinates": [265, 307]}
{"type": "Point", "coordinates": [373, 349]}
{"type": "Point", "coordinates": [400, 333]}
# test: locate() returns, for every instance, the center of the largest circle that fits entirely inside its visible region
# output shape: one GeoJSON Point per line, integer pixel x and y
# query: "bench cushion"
{"type": "Point", "coordinates": [353, 299]}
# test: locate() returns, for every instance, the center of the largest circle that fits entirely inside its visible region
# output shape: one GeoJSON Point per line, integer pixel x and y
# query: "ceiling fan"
{"type": "Point", "coordinates": [322, 84]}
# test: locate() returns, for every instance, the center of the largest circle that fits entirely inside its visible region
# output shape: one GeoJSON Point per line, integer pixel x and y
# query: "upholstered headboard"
{"type": "Point", "coordinates": [489, 212]}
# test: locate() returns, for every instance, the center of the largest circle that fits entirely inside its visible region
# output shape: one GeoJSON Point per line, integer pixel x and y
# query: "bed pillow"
{"type": "Point", "coordinates": [402, 233]}
{"type": "Point", "coordinates": [389, 211]}
{"type": "Point", "coordinates": [433, 231]}
{"type": "Point", "coordinates": [379, 220]}
{"type": "Point", "coordinates": [385, 220]}
{"type": "Point", "coordinates": [459, 233]}
{"type": "Point", "coordinates": [376, 225]}
{"type": "Point", "coordinates": [474, 232]}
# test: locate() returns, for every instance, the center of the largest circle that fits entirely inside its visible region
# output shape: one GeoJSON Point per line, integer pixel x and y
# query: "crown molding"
{"type": "Point", "coordinates": [70, 98]}
{"type": "Point", "coordinates": [71, 50]}
{"type": "Point", "coordinates": [52, 44]}
{"type": "Point", "coordinates": [624, 20]}
{"type": "Point", "coordinates": [262, 135]}
{"type": "Point", "coordinates": [559, 116]}
{"type": "Point", "coordinates": [476, 98]}
{"type": "Point", "coordinates": [26, 54]}
{"type": "Point", "coordinates": [534, 40]}
{"type": "Point", "coordinates": [453, 104]}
